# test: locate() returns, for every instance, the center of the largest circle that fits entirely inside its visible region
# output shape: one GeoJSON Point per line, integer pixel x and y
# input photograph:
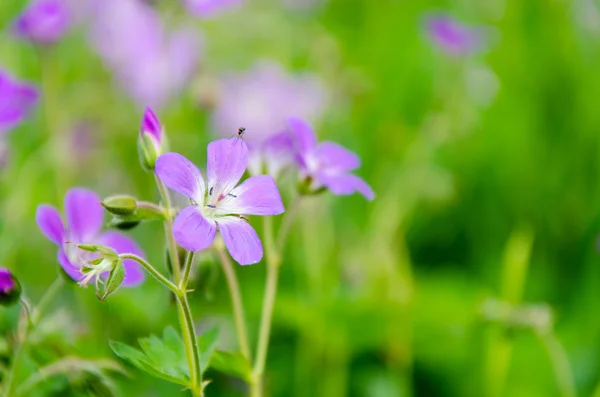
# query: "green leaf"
{"type": "Point", "coordinates": [208, 344]}
{"type": "Point", "coordinates": [165, 360]}
{"type": "Point", "coordinates": [234, 364]}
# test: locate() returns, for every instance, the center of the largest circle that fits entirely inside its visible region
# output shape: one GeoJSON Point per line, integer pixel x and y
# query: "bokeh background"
{"type": "Point", "coordinates": [485, 162]}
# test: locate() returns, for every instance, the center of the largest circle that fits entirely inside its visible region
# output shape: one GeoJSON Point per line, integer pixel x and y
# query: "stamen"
{"type": "Point", "coordinates": [232, 195]}
{"type": "Point", "coordinates": [210, 191]}
{"type": "Point", "coordinates": [210, 206]}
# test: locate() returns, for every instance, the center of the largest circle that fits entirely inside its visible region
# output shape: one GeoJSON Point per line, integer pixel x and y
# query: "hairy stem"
{"type": "Point", "coordinates": [186, 271]}
{"type": "Point", "coordinates": [172, 245]}
{"type": "Point", "coordinates": [236, 301]}
{"type": "Point", "coordinates": [155, 273]}
{"type": "Point", "coordinates": [273, 262]}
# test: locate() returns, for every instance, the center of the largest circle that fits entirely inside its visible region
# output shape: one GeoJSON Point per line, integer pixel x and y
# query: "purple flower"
{"type": "Point", "coordinates": [84, 216]}
{"type": "Point", "coordinates": [452, 36]}
{"type": "Point", "coordinates": [152, 64]}
{"type": "Point", "coordinates": [326, 164]}
{"type": "Point", "coordinates": [221, 203]}
{"type": "Point", "coordinates": [43, 21]}
{"type": "Point", "coordinates": [10, 290]}
{"type": "Point", "coordinates": [210, 8]}
{"type": "Point", "coordinates": [151, 126]}
{"type": "Point", "coordinates": [261, 100]}
{"type": "Point", "coordinates": [16, 101]}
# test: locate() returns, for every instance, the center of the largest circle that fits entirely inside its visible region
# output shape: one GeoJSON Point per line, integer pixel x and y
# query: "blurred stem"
{"type": "Point", "coordinates": [47, 299]}
{"type": "Point", "coordinates": [236, 301]}
{"type": "Point", "coordinates": [172, 245]}
{"type": "Point", "coordinates": [18, 357]}
{"type": "Point", "coordinates": [186, 322]}
{"type": "Point", "coordinates": [560, 362]}
{"type": "Point", "coordinates": [514, 273]}
{"type": "Point", "coordinates": [273, 257]}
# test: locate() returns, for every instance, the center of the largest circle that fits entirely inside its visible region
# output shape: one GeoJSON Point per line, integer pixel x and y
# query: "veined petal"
{"type": "Point", "coordinates": [72, 270]}
{"type": "Point", "coordinates": [241, 240]}
{"type": "Point", "coordinates": [50, 223]}
{"type": "Point", "coordinates": [181, 175]}
{"type": "Point", "coordinates": [257, 195]}
{"type": "Point", "coordinates": [84, 214]}
{"type": "Point", "coordinates": [122, 244]}
{"type": "Point", "coordinates": [227, 162]}
{"type": "Point", "coordinates": [303, 136]}
{"type": "Point", "coordinates": [346, 184]}
{"type": "Point", "coordinates": [192, 230]}
{"type": "Point", "coordinates": [334, 157]}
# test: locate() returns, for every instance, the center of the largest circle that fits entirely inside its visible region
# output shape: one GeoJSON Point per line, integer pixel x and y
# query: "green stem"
{"type": "Point", "coordinates": [186, 322]}
{"type": "Point", "coordinates": [273, 263]}
{"type": "Point", "coordinates": [236, 301]}
{"type": "Point", "coordinates": [172, 245]}
{"type": "Point", "coordinates": [155, 273]}
{"type": "Point", "coordinates": [191, 344]}
{"type": "Point", "coordinates": [19, 353]}
{"type": "Point", "coordinates": [189, 260]}
{"type": "Point", "coordinates": [560, 362]}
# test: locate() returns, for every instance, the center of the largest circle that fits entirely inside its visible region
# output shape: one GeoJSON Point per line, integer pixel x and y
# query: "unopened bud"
{"type": "Point", "coordinates": [151, 140]}
{"type": "Point", "coordinates": [120, 205]}
{"type": "Point", "coordinates": [10, 289]}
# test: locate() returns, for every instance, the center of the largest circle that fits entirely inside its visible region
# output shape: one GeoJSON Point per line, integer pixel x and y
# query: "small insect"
{"type": "Point", "coordinates": [240, 134]}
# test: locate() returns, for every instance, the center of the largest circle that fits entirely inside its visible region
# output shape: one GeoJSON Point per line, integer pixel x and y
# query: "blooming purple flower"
{"type": "Point", "coordinates": [152, 64]}
{"type": "Point", "coordinates": [326, 164]}
{"type": "Point", "coordinates": [16, 100]}
{"type": "Point", "coordinates": [10, 290]}
{"type": "Point", "coordinates": [210, 8]}
{"type": "Point", "coordinates": [43, 21]}
{"type": "Point", "coordinates": [221, 203]}
{"type": "Point", "coordinates": [452, 36]}
{"type": "Point", "coordinates": [261, 100]}
{"type": "Point", "coordinates": [84, 216]}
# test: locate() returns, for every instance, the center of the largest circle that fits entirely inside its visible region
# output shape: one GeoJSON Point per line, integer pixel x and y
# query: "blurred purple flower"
{"type": "Point", "coordinates": [84, 215]}
{"type": "Point", "coordinates": [43, 21]}
{"type": "Point", "coordinates": [210, 8]}
{"type": "Point", "coordinates": [261, 100]}
{"type": "Point", "coordinates": [16, 100]}
{"type": "Point", "coordinates": [152, 64]}
{"type": "Point", "coordinates": [10, 289]}
{"type": "Point", "coordinates": [7, 282]}
{"type": "Point", "coordinates": [452, 36]}
{"type": "Point", "coordinates": [326, 164]}
{"type": "Point", "coordinates": [225, 205]}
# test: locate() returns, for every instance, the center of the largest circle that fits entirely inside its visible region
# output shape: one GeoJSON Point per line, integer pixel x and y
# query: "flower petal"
{"type": "Point", "coordinates": [334, 157]}
{"type": "Point", "coordinates": [181, 175]}
{"type": "Point", "coordinates": [241, 240]}
{"type": "Point", "coordinates": [258, 195]}
{"type": "Point", "coordinates": [84, 214]}
{"type": "Point", "coordinates": [50, 223]}
{"type": "Point", "coordinates": [122, 244]}
{"type": "Point", "coordinates": [192, 230]}
{"type": "Point", "coordinates": [303, 136]}
{"type": "Point", "coordinates": [227, 162]}
{"type": "Point", "coordinates": [151, 125]}
{"type": "Point", "coordinates": [346, 184]}
{"type": "Point", "coordinates": [72, 270]}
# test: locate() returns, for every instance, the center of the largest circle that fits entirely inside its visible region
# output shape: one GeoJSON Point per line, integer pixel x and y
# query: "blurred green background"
{"type": "Point", "coordinates": [486, 189]}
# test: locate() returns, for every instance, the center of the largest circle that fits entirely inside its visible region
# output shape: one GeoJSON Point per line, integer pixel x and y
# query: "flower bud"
{"type": "Point", "coordinates": [120, 205]}
{"type": "Point", "coordinates": [10, 289]}
{"type": "Point", "coordinates": [150, 142]}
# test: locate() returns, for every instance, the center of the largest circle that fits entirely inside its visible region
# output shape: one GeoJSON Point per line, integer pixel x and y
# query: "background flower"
{"type": "Point", "coordinates": [43, 21]}
{"type": "Point", "coordinates": [452, 36]}
{"type": "Point", "coordinates": [210, 8]}
{"type": "Point", "coordinates": [16, 101]}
